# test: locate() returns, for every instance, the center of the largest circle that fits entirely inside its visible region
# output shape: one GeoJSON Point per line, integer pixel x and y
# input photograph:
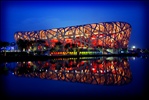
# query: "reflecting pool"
{"type": "Point", "coordinates": [83, 77]}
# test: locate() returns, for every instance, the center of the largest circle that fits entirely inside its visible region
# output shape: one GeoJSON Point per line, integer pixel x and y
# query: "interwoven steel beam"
{"type": "Point", "coordinates": [107, 34]}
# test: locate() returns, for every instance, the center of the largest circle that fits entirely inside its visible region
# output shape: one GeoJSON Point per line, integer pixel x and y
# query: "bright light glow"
{"type": "Point", "coordinates": [93, 69]}
{"type": "Point", "coordinates": [133, 58]}
{"type": "Point", "coordinates": [133, 47]}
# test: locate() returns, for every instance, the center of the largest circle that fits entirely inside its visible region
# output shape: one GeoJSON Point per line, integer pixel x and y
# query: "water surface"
{"type": "Point", "coordinates": [75, 78]}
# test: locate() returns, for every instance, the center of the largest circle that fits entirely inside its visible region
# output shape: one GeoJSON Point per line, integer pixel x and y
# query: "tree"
{"type": "Point", "coordinates": [22, 44]}
{"type": "Point", "coordinates": [58, 46]}
{"type": "Point", "coordinates": [41, 42]}
{"type": "Point", "coordinates": [74, 47]}
{"type": "Point", "coordinates": [4, 44]}
{"type": "Point", "coordinates": [12, 43]}
{"type": "Point", "coordinates": [67, 46]}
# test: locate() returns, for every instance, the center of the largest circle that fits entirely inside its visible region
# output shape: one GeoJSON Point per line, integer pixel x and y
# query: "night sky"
{"type": "Point", "coordinates": [42, 15]}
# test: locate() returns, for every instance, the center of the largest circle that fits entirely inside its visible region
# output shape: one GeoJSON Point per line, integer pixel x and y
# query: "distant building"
{"type": "Point", "coordinates": [107, 37]}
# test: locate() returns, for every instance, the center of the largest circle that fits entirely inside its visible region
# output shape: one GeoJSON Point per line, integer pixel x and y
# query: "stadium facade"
{"type": "Point", "coordinates": [104, 37]}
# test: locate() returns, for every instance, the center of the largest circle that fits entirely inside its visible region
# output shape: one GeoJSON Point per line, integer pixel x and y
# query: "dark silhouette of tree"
{"type": "Point", "coordinates": [41, 42]}
{"type": "Point", "coordinates": [4, 44]}
{"type": "Point", "coordinates": [31, 44]}
{"type": "Point", "coordinates": [52, 49]}
{"type": "Point", "coordinates": [67, 46]}
{"type": "Point", "coordinates": [58, 46]}
{"type": "Point", "coordinates": [22, 44]}
{"type": "Point", "coordinates": [12, 43]}
{"type": "Point", "coordinates": [74, 47]}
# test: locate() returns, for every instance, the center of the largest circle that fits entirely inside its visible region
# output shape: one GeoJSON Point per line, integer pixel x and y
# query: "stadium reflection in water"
{"type": "Point", "coordinates": [105, 71]}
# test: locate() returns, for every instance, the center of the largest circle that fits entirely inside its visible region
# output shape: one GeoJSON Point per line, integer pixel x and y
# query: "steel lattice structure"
{"type": "Point", "coordinates": [106, 72]}
{"type": "Point", "coordinates": [112, 35]}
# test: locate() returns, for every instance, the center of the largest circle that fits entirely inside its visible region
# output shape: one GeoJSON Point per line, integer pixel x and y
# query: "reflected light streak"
{"type": "Point", "coordinates": [97, 71]}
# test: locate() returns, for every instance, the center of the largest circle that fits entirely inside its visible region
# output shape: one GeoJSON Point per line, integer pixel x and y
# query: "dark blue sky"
{"type": "Point", "coordinates": [38, 15]}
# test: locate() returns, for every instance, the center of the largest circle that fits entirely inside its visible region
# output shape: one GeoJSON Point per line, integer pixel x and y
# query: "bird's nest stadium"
{"type": "Point", "coordinates": [104, 37]}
